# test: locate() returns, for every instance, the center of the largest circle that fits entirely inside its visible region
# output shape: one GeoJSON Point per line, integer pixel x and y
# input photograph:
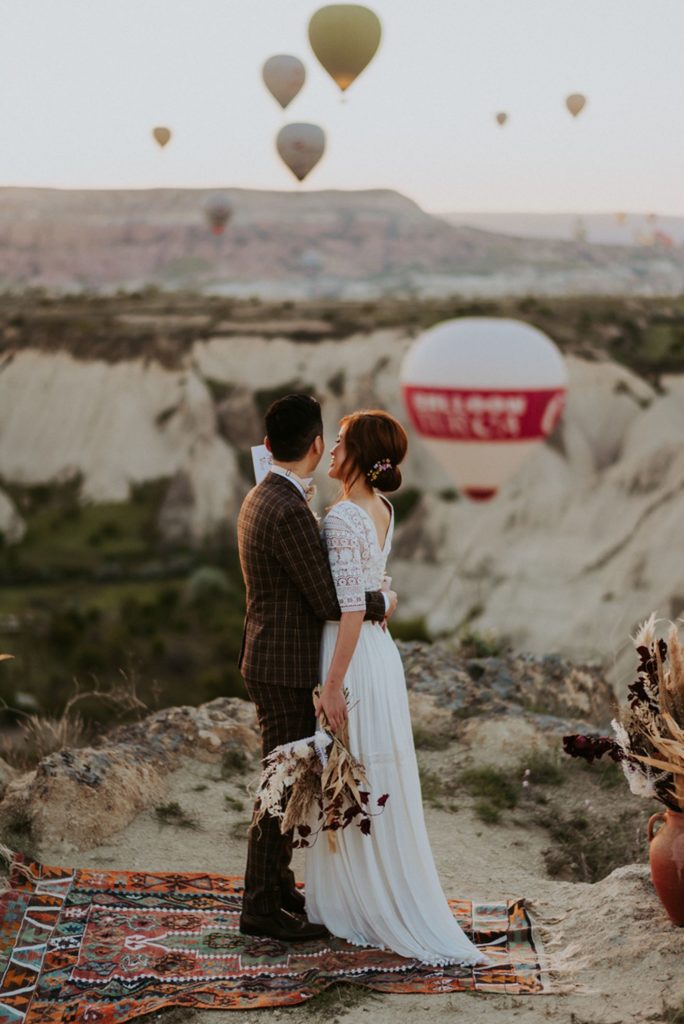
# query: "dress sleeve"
{"type": "Point", "coordinates": [346, 564]}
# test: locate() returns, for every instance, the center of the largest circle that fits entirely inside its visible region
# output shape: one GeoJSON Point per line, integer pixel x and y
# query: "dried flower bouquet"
{"type": "Point", "coordinates": [648, 731]}
{"type": "Point", "coordinates": [316, 785]}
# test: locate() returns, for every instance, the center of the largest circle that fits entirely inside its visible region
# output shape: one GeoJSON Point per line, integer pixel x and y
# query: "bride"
{"type": "Point", "coordinates": [381, 889]}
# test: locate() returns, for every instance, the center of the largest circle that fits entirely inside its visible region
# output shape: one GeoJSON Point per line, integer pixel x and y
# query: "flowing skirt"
{"type": "Point", "coordinates": [383, 889]}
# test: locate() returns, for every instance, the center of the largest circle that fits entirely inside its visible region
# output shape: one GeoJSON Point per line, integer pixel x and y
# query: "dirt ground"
{"type": "Point", "coordinates": [625, 962]}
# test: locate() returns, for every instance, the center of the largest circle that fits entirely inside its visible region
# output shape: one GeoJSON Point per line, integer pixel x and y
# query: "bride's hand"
{"type": "Point", "coordinates": [333, 705]}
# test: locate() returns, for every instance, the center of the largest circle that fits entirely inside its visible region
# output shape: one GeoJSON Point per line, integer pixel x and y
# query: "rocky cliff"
{"type": "Point", "coordinates": [574, 551]}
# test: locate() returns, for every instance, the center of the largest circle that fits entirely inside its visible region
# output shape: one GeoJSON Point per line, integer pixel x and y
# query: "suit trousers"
{"type": "Point", "coordinates": [284, 713]}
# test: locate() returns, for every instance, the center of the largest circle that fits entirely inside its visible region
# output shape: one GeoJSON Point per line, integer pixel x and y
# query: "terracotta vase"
{"type": "Point", "coordinates": [666, 851]}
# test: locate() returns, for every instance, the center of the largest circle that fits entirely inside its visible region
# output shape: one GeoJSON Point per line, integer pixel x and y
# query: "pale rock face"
{"type": "Point", "coordinates": [60, 415]}
{"type": "Point", "coordinates": [573, 552]}
{"type": "Point", "coordinates": [12, 526]}
{"type": "Point", "coordinates": [504, 741]}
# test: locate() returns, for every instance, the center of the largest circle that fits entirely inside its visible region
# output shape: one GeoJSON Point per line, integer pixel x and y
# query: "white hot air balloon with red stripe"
{"type": "Point", "coordinates": [482, 392]}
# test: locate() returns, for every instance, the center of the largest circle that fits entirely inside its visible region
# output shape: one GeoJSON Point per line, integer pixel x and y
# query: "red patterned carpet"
{"type": "Point", "coordinates": [101, 947]}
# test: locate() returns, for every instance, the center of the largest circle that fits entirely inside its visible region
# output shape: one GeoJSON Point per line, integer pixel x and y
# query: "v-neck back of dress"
{"type": "Point", "coordinates": [388, 505]}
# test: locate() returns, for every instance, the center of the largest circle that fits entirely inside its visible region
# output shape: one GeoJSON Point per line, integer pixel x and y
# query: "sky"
{"type": "Point", "coordinates": [84, 81]}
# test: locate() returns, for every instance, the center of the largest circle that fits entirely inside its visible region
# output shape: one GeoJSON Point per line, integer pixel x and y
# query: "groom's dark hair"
{"type": "Point", "coordinates": [292, 425]}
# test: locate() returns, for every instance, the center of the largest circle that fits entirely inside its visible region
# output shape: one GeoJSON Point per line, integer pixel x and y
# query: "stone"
{"type": "Point", "coordinates": [82, 796]}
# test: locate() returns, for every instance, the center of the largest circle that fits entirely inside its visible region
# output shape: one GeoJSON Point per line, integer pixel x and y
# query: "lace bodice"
{"type": "Point", "coordinates": [356, 559]}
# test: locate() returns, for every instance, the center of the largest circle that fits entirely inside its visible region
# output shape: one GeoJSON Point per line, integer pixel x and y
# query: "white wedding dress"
{"type": "Point", "coordinates": [383, 889]}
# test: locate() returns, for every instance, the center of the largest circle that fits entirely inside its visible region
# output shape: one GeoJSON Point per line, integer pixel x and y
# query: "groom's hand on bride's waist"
{"type": "Point", "coordinates": [392, 604]}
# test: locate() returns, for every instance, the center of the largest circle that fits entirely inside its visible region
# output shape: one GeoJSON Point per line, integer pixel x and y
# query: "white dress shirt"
{"type": "Point", "coordinates": [297, 481]}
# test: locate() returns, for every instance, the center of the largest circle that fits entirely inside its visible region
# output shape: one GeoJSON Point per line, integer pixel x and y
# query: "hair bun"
{"type": "Point", "coordinates": [388, 480]}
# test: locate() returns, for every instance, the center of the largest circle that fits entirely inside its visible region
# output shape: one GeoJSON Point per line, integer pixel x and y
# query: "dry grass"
{"type": "Point", "coordinates": [42, 735]}
{"type": "Point", "coordinates": [423, 739]}
{"type": "Point", "coordinates": [173, 814]}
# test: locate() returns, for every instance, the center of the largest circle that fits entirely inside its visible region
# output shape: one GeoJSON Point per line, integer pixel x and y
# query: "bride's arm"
{"type": "Point", "coordinates": [332, 700]}
{"type": "Point", "coordinates": [346, 555]}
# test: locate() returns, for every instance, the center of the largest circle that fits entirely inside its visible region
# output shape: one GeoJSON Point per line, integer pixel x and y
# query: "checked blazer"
{"type": "Point", "coordinates": [290, 590]}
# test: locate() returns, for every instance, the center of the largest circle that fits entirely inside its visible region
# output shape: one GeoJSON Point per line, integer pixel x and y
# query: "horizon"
{"type": "Point", "coordinates": [519, 212]}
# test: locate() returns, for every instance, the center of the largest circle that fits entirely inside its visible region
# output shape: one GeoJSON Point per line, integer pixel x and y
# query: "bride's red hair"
{"type": "Point", "coordinates": [372, 436]}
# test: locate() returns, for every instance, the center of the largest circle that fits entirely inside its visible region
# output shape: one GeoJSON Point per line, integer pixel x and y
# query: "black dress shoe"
{"type": "Point", "coordinates": [281, 925]}
{"type": "Point", "coordinates": [293, 901]}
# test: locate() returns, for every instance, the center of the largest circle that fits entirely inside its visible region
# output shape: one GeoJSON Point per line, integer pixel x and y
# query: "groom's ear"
{"type": "Point", "coordinates": [267, 444]}
{"type": "Point", "coordinates": [319, 445]}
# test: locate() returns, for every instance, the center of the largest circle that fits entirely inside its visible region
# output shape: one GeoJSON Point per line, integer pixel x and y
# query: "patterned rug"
{"type": "Point", "coordinates": [101, 947]}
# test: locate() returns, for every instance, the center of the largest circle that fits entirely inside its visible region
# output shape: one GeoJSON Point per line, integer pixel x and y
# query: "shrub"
{"type": "Point", "coordinates": [410, 629]}
{"type": "Point", "coordinates": [173, 814]}
{"type": "Point", "coordinates": [474, 644]}
{"type": "Point", "coordinates": [496, 790]}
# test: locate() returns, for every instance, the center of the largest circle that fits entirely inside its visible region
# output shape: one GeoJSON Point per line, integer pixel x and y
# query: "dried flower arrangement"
{"type": "Point", "coordinates": [648, 738]}
{"type": "Point", "coordinates": [317, 780]}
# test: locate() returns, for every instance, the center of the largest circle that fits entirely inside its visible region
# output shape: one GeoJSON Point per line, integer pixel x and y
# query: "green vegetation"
{"type": "Point", "coordinates": [646, 334]}
{"type": "Point", "coordinates": [480, 645]}
{"type": "Point", "coordinates": [423, 739]}
{"type": "Point", "coordinates": [92, 593]}
{"type": "Point", "coordinates": [588, 846]}
{"type": "Point", "coordinates": [233, 762]}
{"type": "Point", "coordinates": [543, 767]}
{"type": "Point", "coordinates": [404, 503]}
{"type": "Point", "coordinates": [173, 814]}
{"type": "Point", "coordinates": [17, 833]}
{"type": "Point", "coordinates": [233, 804]}
{"type": "Point", "coordinates": [495, 790]}
{"type": "Point", "coordinates": [410, 629]}
{"type": "Point", "coordinates": [336, 383]}
{"type": "Point", "coordinates": [432, 787]}
{"type": "Point", "coordinates": [591, 832]}
{"type": "Point", "coordinates": [219, 389]}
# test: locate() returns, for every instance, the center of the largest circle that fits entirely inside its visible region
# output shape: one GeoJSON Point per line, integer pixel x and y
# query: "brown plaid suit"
{"type": "Point", "coordinates": [290, 593]}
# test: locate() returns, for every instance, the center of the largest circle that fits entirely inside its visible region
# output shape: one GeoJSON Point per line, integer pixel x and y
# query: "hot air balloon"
{"type": "Point", "coordinates": [300, 146]}
{"type": "Point", "coordinates": [218, 210]}
{"type": "Point", "coordinates": [283, 76]}
{"type": "Point", "coordinates": [161, 135]}
{"type": "Point", "coordinates": [345, 38]}
{"type": "Point", "coordinates": [501, 118]}
{"type": "Point", "coordinates": [576, 103]}
{"type": "Point", "coordinates": [482, 392]}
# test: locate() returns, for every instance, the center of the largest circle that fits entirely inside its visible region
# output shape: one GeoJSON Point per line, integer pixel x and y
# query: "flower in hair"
{"type": "Point", "coordinates": [378, 468]}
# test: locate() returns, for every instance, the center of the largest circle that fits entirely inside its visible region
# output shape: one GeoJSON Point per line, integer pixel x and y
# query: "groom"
{"type": "Point", "coordinates": [290, 594]}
